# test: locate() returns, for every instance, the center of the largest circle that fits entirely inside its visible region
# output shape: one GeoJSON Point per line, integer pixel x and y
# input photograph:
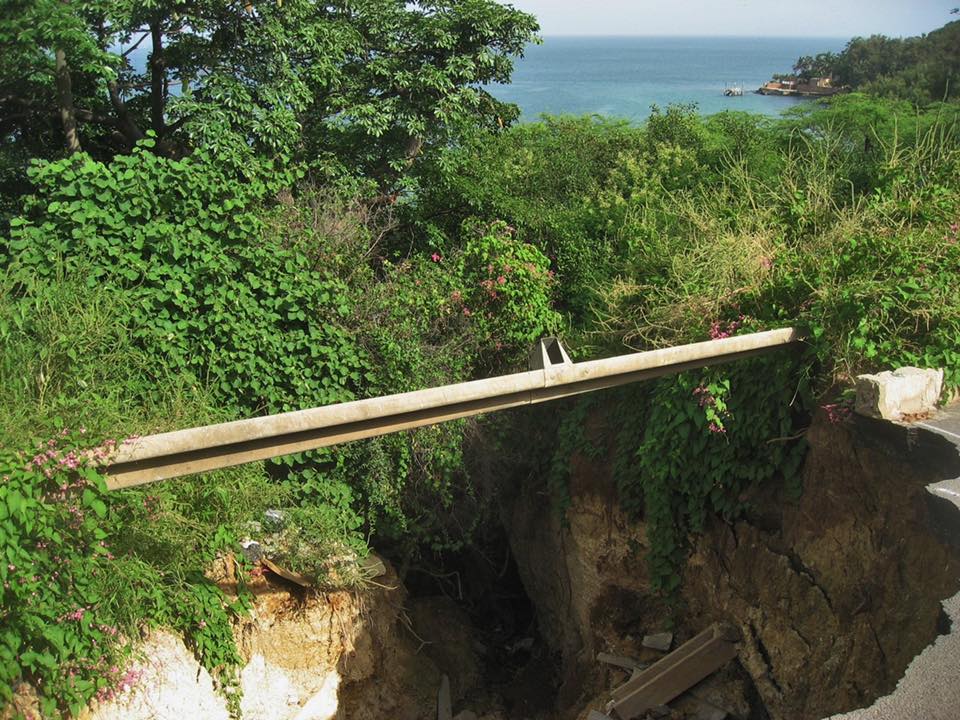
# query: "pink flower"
{"type": "Point", "coordinates": [836, 412]}
{"type": "Point", "coordinates": [501, 280]}
{"type": "Point", "coordinates": [719, 332]}
{"type": "Point", "coordinates": [436, 257]}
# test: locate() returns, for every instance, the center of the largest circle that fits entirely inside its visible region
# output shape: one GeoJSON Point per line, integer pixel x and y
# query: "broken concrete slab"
{"type": "Point", "coordinates": [597, 715]}
{"type": "Point", "coordinates": [444, 705]}
{"type": "Point", "coordinates": [621, 661]}
{"type": "Point", "coordinates": [658, 641]}
{"type": "Point", "coordinates": [895, 395]}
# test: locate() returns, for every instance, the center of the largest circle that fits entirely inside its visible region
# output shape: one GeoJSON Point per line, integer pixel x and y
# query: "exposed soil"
{"type": "Point", "coordinates": [834, 595]}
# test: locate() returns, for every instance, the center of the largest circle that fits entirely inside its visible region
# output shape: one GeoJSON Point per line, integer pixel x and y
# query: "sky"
{"type": "Point", "coordinates": [776, 18]}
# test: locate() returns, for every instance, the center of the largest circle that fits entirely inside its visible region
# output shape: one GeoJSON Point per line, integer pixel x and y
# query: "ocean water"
{"type": "Point", "coordinates": [623, 76]}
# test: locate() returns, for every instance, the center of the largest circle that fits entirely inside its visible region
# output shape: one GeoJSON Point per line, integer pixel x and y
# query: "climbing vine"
{"type": "Point", "coordinates": [707, 440]}
{"type": "Point", "coordinates": [75, 588]}
{"type": "Point", "coordinates": [692, 446]}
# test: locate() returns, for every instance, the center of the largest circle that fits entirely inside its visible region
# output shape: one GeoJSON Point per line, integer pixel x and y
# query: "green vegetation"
{"type": "Point", "coordinates": [329, 208]}
{"type": "Point", "coordinates": [841, 219]}
{"type": "Point", "coordinates": [921, 69]}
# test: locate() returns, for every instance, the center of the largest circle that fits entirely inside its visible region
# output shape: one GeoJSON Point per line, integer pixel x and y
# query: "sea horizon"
{"type": "Point", "coordinates": [700, 37]}
{"type": "Point", "coordinates": [622, 76]}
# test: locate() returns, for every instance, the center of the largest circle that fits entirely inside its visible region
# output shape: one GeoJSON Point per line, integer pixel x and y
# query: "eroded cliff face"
{"type": "Point", "coordinates": [837, 593]}
{"type": "Point", "coordinates": [309, 656]}
{"type": "Point", "coordinates": [834, 594]}
{"type": "Point", "coordinates": [585, 573]}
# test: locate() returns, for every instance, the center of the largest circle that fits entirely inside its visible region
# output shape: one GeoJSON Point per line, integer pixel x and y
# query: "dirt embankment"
{"type": "Point", "coordinates": [309, 656]}
{"type": "Point", "coordinates": [834, 594]}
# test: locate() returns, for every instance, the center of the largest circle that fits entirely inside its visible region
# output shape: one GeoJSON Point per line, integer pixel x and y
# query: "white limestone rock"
{"type": "Point", "coordinates": [893, 395]}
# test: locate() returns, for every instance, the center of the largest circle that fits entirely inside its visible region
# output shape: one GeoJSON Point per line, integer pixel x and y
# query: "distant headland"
{"type": "Point", "coordinates": [921, 69]}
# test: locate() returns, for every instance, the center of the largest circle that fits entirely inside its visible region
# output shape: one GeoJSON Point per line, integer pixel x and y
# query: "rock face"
{"type": "Point", "coordinates": [893, 395]}
{"type": "Point", "coordinates": [586, 575]}
{"type": "Point", "coordinates": [834, 594]}
{"type": "Point", "coordinates": [328, 656]}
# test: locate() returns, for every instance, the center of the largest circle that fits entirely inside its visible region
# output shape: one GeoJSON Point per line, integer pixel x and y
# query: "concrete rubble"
{"type": "Point", "coordinates": [895, 395]}
{"type": "Point", "coordinates": [658, 641]}
{"type": "Point", "coordinates": [621, 661]}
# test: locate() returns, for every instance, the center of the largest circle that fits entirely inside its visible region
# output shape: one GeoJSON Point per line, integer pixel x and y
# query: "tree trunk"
{"type": "Point", "coordinates": [68, 117]}
{"type": "Point", "coordinates": [158, 81]}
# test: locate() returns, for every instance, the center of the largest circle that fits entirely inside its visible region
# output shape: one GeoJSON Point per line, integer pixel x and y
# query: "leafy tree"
{"type": "Point", "coordinates": [920, 69]}
{"type": "Point", "coordinates": [808, 67]}
{"type": "Point", "coordinates": [371, 82]}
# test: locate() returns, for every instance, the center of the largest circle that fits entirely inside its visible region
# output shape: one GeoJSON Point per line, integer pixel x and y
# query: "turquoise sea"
{"type": "Point", "coordinates": [623, 76]}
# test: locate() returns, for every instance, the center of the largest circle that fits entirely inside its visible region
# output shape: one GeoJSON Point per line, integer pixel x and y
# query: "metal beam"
{"type": "Point", "coordinates": [185, 452]}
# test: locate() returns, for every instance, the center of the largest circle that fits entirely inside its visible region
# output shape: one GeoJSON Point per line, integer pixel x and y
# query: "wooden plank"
{"type": "Point", "coordinates": [675, 680]}
{"type": "Point", "coordinates": [293, 577]}
{"type": "Point", "coordinates": [665, 663]}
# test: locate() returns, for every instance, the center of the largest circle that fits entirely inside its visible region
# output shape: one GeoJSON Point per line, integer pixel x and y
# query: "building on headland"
{"type": "Point", "coordinates": [814, 87]}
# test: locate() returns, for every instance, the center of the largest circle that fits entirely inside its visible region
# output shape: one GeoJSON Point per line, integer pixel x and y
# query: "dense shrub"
{"type": "Point", "coordinates": [181, 243]}
{"type": "Point", "coordinates": [140, 294]}
{"type": "Point", "coordinates": [840, 220]}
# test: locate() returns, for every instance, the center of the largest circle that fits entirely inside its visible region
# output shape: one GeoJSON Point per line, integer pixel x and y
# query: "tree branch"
{"type": "Point", "coordinates": [127, 126]}
{"type": "Point", "coordinates": [133, 47]}
{"type": "Point", "coordinates": [174, 126]}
